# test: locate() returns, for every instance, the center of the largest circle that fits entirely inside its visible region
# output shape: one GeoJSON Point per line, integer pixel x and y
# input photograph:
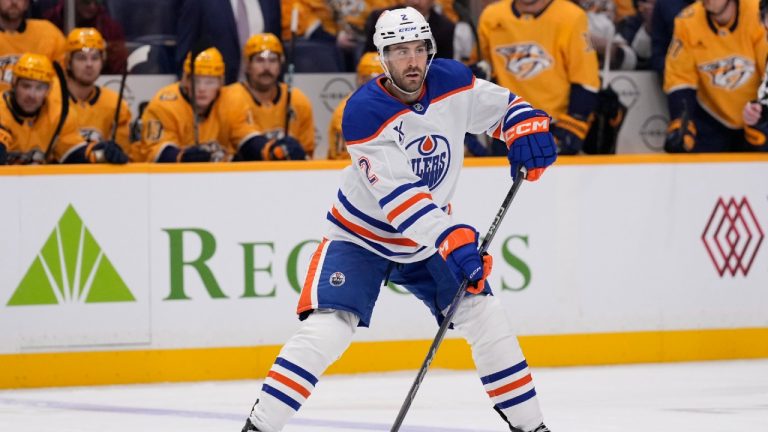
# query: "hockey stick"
{"type": "Point", "coordinates": [193, 97]}
{"type": "Point", "coordinates": [291, 67]}
{"type": "Point", "coordinates": [460, 294]}
{"type": "Point", "coordinates": [64, 110]}
{"type": "Point", "coordinates": [113, 135]}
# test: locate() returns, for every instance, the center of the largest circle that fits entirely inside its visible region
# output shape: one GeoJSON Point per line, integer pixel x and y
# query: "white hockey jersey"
{"type": "Point", "coordinates": [394, 198]}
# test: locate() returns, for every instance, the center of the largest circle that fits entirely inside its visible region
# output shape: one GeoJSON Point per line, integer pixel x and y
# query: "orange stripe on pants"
{"type": "Point", "coordinates": [305, 300]}
{"type": "Point", "coordinates": [289, 382]}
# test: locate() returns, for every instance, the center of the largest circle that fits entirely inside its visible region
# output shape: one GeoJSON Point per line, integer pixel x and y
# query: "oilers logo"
{"type": "Point", "coordinates": [430, 158]}
{"type": "Point", "coordinates": [525, 60]}
{"type": "Point", "coordinates": [729, 73]}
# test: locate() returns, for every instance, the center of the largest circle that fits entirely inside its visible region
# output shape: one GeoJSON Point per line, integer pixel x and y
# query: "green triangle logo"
{"type": "Point", "coordinates": [70, 268]}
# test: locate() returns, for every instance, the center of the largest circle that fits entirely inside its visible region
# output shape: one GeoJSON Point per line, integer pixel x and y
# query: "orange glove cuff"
{"type": "Point", "coordinates": [487, 268]}
{"type": "Point", "coordinates": [456, 239]}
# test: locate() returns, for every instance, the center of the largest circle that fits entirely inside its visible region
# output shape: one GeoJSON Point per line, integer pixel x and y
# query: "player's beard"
{"type": "Point", "coordinates": [13, 14]}
{"type": "Point", "coordinates": [409, 84]}
{"type": "Point", "coordinates": [263, 82]}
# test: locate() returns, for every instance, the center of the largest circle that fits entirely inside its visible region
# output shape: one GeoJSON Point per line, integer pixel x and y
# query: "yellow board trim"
{"type": "Point", "coordinates": [200, 364]}
{"type": "Point", "coordinates": [155, 168]}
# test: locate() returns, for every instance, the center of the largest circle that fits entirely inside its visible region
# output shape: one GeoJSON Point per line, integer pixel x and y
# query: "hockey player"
{"type": "Point", "coordinates": [19, 35]}
{"type": "Point", "coordinates": [224, 123]}
{"type": "Point", "coordinates": [368, 68]}
{"type": "Point", "coordinates": [93, 107]}
{"type": "Point", "coordinates": [755, 113]}
{"type": "Point", "coordinates": [29, 116]}
{"type": "Point", "coordinates": [540, 50]}
{"type": "Point", "coordinates": [389, 222]}
{"type": "Point", "coordinates": [713, 69]}
{"type": "Point", "coordinates": [268, 99]}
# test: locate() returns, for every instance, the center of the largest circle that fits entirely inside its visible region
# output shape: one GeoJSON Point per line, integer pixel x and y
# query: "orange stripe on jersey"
{"type": "Point", "coordinates": [305, 300]}
{"type": "Point", "coordinates": [368, 234]}
{"type": "Point", "coordinates": [289, 382]}
{"type": "Point", "coordinates": [407, 204]}
{"type": "Point", "coordinates": [454, 91]}
{"type": "Point", "coordinates": [375, 134]}
{"type": "Point", "coordinates": [511, 386]}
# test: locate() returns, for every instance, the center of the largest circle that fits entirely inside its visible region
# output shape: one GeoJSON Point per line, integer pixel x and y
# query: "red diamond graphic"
{"type": "Point", "coordinates": [732, 236]}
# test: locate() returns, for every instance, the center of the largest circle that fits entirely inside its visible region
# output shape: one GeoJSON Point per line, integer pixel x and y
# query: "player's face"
{"type": "Point", "coordinates": [87, 9]}
{"type": "Point", "coordinates": [263, 70]}
{"type": "Point", "coordinates": [407, 63]}
{"type": "Point", "coordinates": [715, 6]}
{"type": "Point", "coordinates": [12, 10]}
{"type": "Point", "coordinates": [206, 90]}
{"type": "Point", "coordinates": [86, 66]}
{"type": "Point", "coordinates": [30, 94]}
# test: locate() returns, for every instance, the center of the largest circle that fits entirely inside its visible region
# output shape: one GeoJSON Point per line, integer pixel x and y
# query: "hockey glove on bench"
{"type": "Point", "coordinates": [458, 247]}
{"type": "Point", "coordinates": [530, 144]}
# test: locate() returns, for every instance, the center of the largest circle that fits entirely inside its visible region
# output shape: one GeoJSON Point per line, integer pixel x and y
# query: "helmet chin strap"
{"type": "Point", "coordinates": [391, 80]}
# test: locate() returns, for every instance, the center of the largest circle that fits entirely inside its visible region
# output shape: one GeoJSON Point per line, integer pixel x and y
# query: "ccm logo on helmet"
{"type": "Point", "coordinates": [527, 127]}
{"type": "Point", "coordinates": [405, 29]}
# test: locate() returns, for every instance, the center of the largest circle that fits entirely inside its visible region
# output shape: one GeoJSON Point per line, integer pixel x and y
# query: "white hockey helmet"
{"type": "Point", "coordinates": [402, 25]}
{"type": "Point", "coordinates": [399, 26]}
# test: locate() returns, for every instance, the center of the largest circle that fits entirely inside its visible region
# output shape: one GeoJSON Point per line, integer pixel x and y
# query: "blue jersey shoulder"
{"type": "Point", "coordinates": [367, 110]}
{"type": "Point", "coordinates": [446, 76]}
{"type": "Point", "coordinates": [371, 106]}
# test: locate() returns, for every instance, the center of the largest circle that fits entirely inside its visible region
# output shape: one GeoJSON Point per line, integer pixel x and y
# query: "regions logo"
{"type": "Point", "coordinates": [525, 60]}
{"type": "Point", "coordinates": [430, 158]}
{"type": "Point", "coordinates": [729, 73]}
{"type": "Point", "coordinates": [70, 268]}
{"type": "Point", "coordinates": [732, 236]}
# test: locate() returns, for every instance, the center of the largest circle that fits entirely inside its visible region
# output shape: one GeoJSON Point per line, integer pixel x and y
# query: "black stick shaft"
{"type": "Point", "coordinates": [455, 304]}
{"type": "Point", "coordinates": [116, 121]}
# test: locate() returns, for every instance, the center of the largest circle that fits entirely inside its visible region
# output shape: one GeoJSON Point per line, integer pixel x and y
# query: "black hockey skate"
{"type": "Point", "coordinates": [249, 427]}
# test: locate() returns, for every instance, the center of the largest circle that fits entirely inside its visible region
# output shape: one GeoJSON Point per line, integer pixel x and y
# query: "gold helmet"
{"type": "Point", "coordinates": [369, 65]}
{"type": "Point", "coordinates": [208, 62]}
{"type": "Point", "coordinates": [262, 42]}
{"type": "Point", "coordinates": [33, 67]}
{"type": "Point", "coordinates": [85, 38]}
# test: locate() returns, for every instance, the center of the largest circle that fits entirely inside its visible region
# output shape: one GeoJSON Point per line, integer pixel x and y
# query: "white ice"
{"type": "Point", "coordinates": [726, 396]}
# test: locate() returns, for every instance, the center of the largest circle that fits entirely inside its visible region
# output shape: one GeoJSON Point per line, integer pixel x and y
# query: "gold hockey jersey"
{"type": "Point", "coordinates": [724, 64]}
{"type": "Point", "coordinates": [168, 120]}
{"type": "Point", "coordinates": [337, 146]}
{"type": "Point", "coordinates": [270, 118]}
{"type": "Point", "coordinates": [24, 136]}
{"type": "Point", "coordinates": [34, 36]}
{"type": "Point", "coordinates": [332, 15]}
{"type": "Point", "coordinates": [539, 57]}
{"type": "Point", "coordinates": [95, 117]}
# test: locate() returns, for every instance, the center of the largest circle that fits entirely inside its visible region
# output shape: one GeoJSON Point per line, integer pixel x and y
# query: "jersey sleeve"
{"type": "Point", "coordinates": [680, 68]}
{"type": "Point", "coordinates": [489, 104]}
{"type": "Point", "coordinates": [158, 131]}
{"type": "Point", "coordinates": [240, 116]}
{"type": "Point", "coordinates": [123, 124]}
{"type": "Point", "coordinates": [69, 139]}
{"type": "Point", "coordinates": [582, 58]}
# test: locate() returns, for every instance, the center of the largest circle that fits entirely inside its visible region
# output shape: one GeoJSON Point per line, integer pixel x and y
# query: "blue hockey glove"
{"type": "Point", "coordinates": [530, 144]}
{"type": "Point", "coordinates": [458, 247]}
{"type": "Point", "coordinates": [99, 152]}
{"type": "Point", "coordinates": [288, 148]}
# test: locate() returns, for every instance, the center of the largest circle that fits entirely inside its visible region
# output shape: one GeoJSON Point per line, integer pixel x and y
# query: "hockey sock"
{"type": "Point", "coordinates": [481, 320]}
{"type": "Point", "coordinates": [320, 341]}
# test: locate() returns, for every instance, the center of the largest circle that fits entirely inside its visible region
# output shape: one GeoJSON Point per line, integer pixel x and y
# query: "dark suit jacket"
{"type": "Point", "coordinates": [442, 30]}
{"type": "Point", "coordinates": [212, 23]}
{"type": "Point", "coordinates": [663, 24]}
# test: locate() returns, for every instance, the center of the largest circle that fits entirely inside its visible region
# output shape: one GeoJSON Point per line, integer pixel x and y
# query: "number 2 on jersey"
{"type": "Point", "coordinates": [365, 165]}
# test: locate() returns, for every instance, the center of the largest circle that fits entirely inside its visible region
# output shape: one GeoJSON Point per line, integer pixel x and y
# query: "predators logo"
{"type": "Point", "coordinates": [729, 73]}
{"type": "Point", "coordinates": [525, 60]}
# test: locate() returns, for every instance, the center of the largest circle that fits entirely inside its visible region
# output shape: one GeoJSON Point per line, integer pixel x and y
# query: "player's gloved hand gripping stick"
{"type": "Point", "coordinates": [521, 174]}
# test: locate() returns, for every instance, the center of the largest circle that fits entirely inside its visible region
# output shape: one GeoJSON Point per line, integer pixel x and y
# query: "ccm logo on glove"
{"type": "Point", "coordinates": [527, 127]}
